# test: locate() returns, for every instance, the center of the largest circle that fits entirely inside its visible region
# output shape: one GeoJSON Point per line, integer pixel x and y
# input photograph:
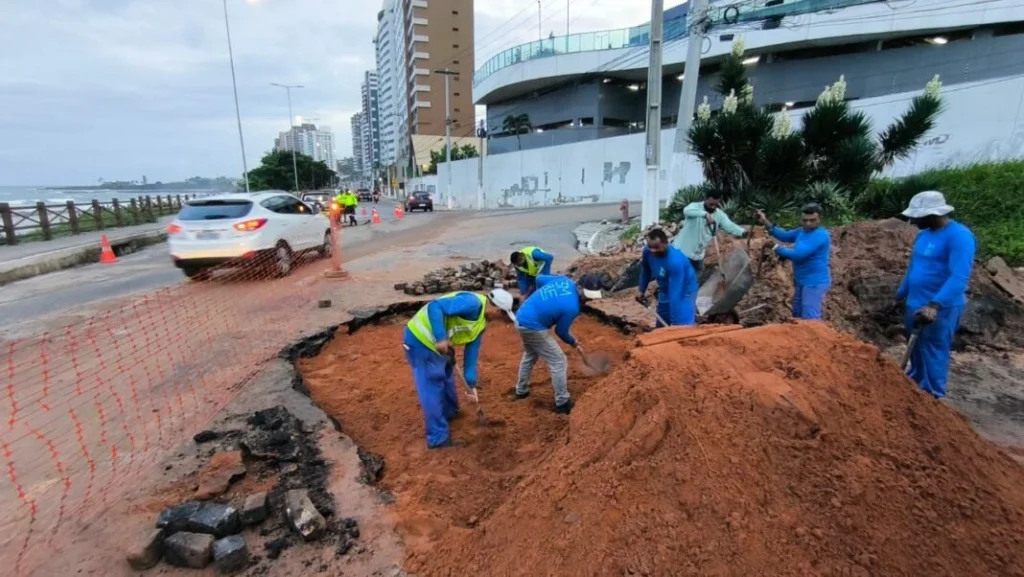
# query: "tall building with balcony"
{"type": "Point", "coordinates": [307, 139]}
{"type": "Point", "coordinates": [438, 34]}
{"type": "Point", "coordinates": [371, 122]}
{"type": "Point", "coordinates": [392, 89]}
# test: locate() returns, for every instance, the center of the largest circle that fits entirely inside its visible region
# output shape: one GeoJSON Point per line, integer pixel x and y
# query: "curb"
{"type": "Point", "coordinates": [61, 259]}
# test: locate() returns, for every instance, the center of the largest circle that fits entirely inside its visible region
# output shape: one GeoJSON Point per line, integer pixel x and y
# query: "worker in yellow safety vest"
{"type": "Point", "coordinates": [453, 319]}
{"type": "Point", "coordinates": [349, 201]}
{"type": "Point", "coordinates": [530, 262]}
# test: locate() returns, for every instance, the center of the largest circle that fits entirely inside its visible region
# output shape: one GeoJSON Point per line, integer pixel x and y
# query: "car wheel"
{"type": "Point", "coordinates": [431, 209]}
{"type": "Point", "coordinates": [325, 249]}
{"type": "Point", "coordinates": [282, 265]}
{"type": "Point", "coordinates": [196, 273]}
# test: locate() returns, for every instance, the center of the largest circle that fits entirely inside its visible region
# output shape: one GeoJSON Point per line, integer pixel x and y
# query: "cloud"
{"type": "Point", "coordinates": [122, 88]}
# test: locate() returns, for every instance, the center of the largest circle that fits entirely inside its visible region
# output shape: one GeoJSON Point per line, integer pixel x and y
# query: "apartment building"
{"type": "Point", "coordinates": [371, 122]}
{"type": "Point", "coordinates": [439, 35]}
{"type": "Point", "coordinates": [357, 146]}
{"type": "Point", "coordinates": [307, 139]}
{"type": "Point", "coordinates": [392, 86]}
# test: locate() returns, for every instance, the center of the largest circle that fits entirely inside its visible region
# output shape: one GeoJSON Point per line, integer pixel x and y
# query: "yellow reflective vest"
{"type": "Point", "coordinates": [459, 330]}
{"type": "Point", "coordinates": [531, 268]}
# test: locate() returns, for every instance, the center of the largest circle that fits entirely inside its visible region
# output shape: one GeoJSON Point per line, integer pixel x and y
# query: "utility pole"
{"type": "Point", "coordinates": [540, 33]}
{"type": "Point", "coordinates": [649, 207]}
{"type": "Point", "coordinates": [481, 134]}
{"type": "Point", "coordinates": [234, 87]}
{"type": "Point", "coordinates": [295, 144]}
{"type": "Point", "coordinates": [567, 2]}
{"type": "Point", "coordinates": [448, 131]}
{"type": "Point", "coordinates": [697, 22]}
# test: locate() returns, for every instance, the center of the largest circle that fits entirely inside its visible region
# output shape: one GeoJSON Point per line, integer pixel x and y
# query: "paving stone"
{"type": "Point", "coordinates": [230, 554]}
{"type": "Point", "coordinates": [254, 510]}
{"type": "Point", "coordinates": [175, 518]}
{"type": "Point", "coordinates": [147, 550]}
{"type": "Point", "coordinates": [303, 515]}
{"type": "Point", "coordinates": [192, 550]}
{"type": "Point", "coordinates": [215, 519]}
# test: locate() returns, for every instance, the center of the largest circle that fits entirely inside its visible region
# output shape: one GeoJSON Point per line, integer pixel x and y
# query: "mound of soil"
{"type": "Point", "coordinates": [363, 381]}
{"type": "Point", "coordinates": [788, 450]}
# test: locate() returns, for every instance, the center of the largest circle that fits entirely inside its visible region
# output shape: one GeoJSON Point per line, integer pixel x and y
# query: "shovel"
{"type": "Point", "coordinates": [481, 418]}
{"type": "Point", "coordinates": [911, 343]}
{"type": "Point", "coordinates": [597, 363]}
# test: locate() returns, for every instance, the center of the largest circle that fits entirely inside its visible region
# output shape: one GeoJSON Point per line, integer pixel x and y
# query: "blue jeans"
{"type": "Point", "coordinates": [808, 301]}
{"type": "Point", "coordinates": [435, 386]}
{"type": "Point", "coordinates": [689, 312]}
{"type": "Point", "coordinates": [929, 361]}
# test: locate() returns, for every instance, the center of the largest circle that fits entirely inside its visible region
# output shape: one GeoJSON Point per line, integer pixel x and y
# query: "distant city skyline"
{"type": "Point", "coordinates": [306, 138]}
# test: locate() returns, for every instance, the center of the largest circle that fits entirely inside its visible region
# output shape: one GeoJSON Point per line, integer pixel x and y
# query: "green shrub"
{"type": "Point", "coordinates": [988, 197]}
{"type": "Point", "coordinates": [630, 233]}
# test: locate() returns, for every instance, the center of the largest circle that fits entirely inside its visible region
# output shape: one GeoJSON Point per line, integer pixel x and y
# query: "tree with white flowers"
{"type": "Point", "coordinates": [757, 159]}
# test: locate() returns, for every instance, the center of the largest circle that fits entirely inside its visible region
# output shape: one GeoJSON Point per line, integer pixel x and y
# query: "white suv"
{"type": "Point", "coordinates": [265, 228]}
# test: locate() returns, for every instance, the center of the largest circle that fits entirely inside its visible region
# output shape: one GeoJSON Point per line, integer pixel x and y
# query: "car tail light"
{"type": "Point", "coordinates": [250, 225]}
{"type": "Point", "coordinates": [173, 228]}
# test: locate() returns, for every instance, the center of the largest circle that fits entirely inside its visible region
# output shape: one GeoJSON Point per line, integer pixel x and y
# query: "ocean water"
{"type": "Point", "coordinates": [30, 195]}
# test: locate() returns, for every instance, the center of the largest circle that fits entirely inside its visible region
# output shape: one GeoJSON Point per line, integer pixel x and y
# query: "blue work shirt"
{"type": "Point", "coordinates": [940, 267]}
{"type": "Point", "coordinates": [809, 255]}
{"type": "Point", "coordinates": [464, 305]}
{"type": "Point", "coordinates": [555, 303]}
{"type": "Point", "coordinates": [677, 281]}
{"type": "Point", "coordinates": [542, 258]}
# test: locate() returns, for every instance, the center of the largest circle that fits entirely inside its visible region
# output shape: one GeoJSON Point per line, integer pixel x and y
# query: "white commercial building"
{"type": "Point", "coordinates": [357, 146]}
{"type": "Point", "coordinates": [371, 125]}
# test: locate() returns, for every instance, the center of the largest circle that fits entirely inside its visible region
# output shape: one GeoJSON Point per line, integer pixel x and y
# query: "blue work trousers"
{"type": "Point", "coordinates": [929, 361]}
{"type": "Point", "coordinates": [808, 301]}
{"type": "Point", "coordinates": [435, 386]}
{"type": "Point", "coordinates": [689, 312]}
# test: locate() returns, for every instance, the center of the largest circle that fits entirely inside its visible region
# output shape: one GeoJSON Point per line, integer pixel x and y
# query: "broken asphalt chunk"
{"type": "Point", "coordinates": [175, 517]}
{"type": "Point", "coordinates": [303, 515]}
{"type": "Point", "coordinates": [192, 550]}
{"type": "Point", "coordinates": [254, 510]}
{"type": "Point", "coordinates": [214, 519]}
{"type": "Point", "coordinates": [230, 554]}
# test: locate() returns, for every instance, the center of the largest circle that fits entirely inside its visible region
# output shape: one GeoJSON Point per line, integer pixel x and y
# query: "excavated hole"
{"type": "Point", "coordinates": [358, 375]}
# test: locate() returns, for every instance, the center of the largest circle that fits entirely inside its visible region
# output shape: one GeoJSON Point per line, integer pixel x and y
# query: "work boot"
{"type": "Point", "coordinates": [520, 396]}
{"type": "Point", "coordinates": [565, 408]}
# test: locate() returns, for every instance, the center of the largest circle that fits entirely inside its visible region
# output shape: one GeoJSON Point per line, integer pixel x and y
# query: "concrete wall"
{"type": "Point", "coordinates": [982, 121]}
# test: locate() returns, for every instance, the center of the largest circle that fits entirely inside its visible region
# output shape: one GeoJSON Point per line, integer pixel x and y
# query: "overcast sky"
{"type": "Point", "coordinates": [117, 89]}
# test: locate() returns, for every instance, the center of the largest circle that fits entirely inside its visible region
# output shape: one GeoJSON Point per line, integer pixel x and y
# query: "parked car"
{"type": "Point", "coordinates": [364, 195]}
{"type": "Point", "coordinates": [318, 200]}
{"type": "Point", "coordinates": [419, 200]}
{"type": "Point", "coordinates": [268, 229]}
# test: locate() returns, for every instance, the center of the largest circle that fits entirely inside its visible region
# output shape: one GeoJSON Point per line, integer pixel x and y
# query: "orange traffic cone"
{"type": "Point", "coordinates": [106, 253]}
{"type": "Point", "coordinates": [396, 211]}
{"type": "Point", "coordinates": [401, 212]}
{"type": "Point", "coordinates": [376, 217]}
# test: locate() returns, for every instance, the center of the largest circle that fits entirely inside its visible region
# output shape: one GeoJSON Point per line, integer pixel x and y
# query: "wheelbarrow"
{"type": "Point", "coordinates": [727, 286]}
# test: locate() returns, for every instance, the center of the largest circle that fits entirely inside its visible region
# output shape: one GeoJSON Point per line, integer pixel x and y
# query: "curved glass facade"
{"type": "Point", "coordinates": [639, 36]}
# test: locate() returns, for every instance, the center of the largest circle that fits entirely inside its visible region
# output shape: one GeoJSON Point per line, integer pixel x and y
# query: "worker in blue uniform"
{"type": "Point", "coordinates": [556, 303]}
{"type": "Point", "coordinates": [935, 287]}
{"type": "Point", "coordinates": [530, 262]}
{"type": "Point", "coordinates": [812, 247]}
{"type": "Point", "coordinates": [454, 319]}
{"type": "Point", "coordinates": [677, 281]}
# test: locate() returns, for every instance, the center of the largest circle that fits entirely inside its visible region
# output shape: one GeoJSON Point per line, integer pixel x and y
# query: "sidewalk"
{"type": "Point", "coordinates": [34, 258]}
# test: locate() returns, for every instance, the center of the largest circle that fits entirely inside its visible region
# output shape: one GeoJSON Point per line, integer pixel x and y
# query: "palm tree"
{"type": "Point", "coordinates": [517, 124]}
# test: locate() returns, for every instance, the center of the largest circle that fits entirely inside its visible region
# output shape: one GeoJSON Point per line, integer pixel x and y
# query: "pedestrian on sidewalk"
{"type": "Point", "coordinates": [701, 221]}
{"type": "Point", "coordinates": [935, 287]}
{"type": "Point", "coordinates": [812, 247]}
{"type": "Point", "coordinates": [677, 281]}
{"type": "Point", "coordinates": [530, 262]}
{"type": "Point", "coordinates": [555, 303]}
{"type": "Point", "coordinates": [451, 320]}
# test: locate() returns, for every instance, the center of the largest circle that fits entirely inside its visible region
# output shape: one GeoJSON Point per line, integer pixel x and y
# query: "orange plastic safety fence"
{"type": "Point", "coordinates": [87, 409]}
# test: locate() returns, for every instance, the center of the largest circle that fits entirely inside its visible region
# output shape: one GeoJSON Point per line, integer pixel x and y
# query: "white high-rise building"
{"type": "Point", "coordinates": [307, 139]}
{"type": "Point", "coordinates": [371, 123]}
{"type": "Point", "coordinates": [357, 146]}
{"type": "Point", "coordinates": [391, 92]}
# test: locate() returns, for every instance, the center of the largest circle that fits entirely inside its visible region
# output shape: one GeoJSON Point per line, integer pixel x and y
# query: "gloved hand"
{"type": "Point", "coordinates": [472, 394]}
{"type": "Point", "coordinates": [925, 315]}
{"type": "Point", "coordinates": [643, 300]}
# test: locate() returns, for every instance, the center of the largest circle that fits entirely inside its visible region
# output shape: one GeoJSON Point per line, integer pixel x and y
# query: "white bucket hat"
{"type": "Point", "coordinates": [927, 203]}
{"type": "Point", "coordinates": [502, 299]}
{"type": "Point", "coordinates": [592, 294]}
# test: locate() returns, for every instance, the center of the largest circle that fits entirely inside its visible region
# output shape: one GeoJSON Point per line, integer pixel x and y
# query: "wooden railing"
{"type": "Point", "coordinates": [48, 221]}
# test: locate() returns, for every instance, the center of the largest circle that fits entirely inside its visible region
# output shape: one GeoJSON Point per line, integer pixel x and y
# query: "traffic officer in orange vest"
{"type": "Point", "coordinates": [530, 262]}
{"type": "Point", "coordinates": [454, 319]}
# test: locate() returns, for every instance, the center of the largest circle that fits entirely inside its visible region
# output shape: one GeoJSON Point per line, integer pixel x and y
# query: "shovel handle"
{"type": "Point", "coordinates": [911, 343]}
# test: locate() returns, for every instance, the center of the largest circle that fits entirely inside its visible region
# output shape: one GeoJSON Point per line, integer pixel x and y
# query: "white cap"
{"type": "Point", "coordinates": [927, 203]}
{"type": "Point", "coordinates": [502, 299]}
{"type": "Point", "coordinates": [592, 294]}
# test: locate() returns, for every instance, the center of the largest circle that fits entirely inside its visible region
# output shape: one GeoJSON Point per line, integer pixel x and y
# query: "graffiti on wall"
{"type": "Point", "coordinates": [611, 170]}
{"type": "Point", "coordinates": [528, 192]}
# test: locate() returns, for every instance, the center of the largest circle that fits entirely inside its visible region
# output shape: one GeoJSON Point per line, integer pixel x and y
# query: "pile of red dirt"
{"type": "Point", "coordinates": [789, 450]}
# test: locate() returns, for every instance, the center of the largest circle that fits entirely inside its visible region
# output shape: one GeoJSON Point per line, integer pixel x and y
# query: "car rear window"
{"type": "Point", "coordinates": [215, 209]}
{"type": "Point", "coordinates": [421, 194]}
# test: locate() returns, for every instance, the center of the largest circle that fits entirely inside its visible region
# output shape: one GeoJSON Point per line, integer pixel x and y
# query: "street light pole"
{"type": "Point", "coordinates": [448, 131]}
{"type": "Point", "coordinates": [234, 88]}
{"type": "Point", "coordinates": [649, 207]}
{"type": "Point", "coordinates": [295, 164]}
{"type": "Point", "coordinates": [540, 33]}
